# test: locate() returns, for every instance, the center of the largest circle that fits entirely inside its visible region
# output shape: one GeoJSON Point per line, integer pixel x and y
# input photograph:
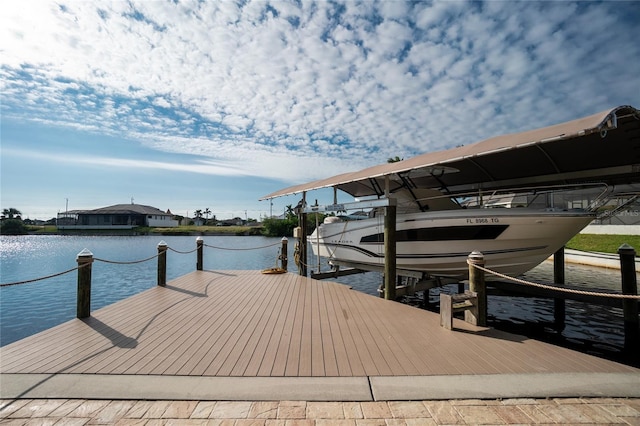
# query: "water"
{"type": "Point", "coordinates": [30, 308]}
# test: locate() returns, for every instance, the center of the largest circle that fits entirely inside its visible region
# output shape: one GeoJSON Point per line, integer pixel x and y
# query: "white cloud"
{"type": "Point", "coordinates": [344, 85]}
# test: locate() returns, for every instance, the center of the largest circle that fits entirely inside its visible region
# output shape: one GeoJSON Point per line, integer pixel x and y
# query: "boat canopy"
{"type": "Point", "coordinates": [601, 148]}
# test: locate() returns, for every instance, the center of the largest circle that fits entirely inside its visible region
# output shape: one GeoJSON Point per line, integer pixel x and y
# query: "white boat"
{"type": "Point", "coordinates": [438, 224]}
{"type": "Point", "coordinates": [438, 241]}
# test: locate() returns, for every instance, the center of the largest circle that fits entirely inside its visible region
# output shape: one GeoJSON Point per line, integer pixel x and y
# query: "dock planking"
{"type": "Point", "coordinates": [246, 324]}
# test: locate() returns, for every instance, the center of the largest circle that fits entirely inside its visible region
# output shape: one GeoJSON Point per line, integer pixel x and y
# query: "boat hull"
{"type": "Point", "coordinates": [511, 240]}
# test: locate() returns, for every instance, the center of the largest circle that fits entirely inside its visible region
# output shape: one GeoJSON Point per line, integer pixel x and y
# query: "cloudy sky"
{"type": "Point", "coordinates": [187, 105]}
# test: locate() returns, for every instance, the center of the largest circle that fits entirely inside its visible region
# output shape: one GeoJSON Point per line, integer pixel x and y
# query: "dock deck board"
{"type": "Point", "coordinates": [243, 323]}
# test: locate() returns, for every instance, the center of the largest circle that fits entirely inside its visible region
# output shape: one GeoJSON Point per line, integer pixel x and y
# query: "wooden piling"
{"type": "Point", "coordinates": [478, 286]}
{"type": "Point", "coordinates": [162, 264]}
{"type": "Point", "coordinates": [629, 306]}
{"type": "Point", "coordinates": [559, 304]}
{"type": "Point", "coordinates": [199, 249]}
{"type": "Point", "coordinates": [85, 260]}
{"type": "Point", "coordinates": [283, 253]}
{"type": "Point", "coordinates": [390, 252]}
{"type": "Point", "coordinates": [302, 268]}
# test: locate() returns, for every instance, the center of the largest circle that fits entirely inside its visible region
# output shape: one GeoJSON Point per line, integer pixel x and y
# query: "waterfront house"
{"type": "Point", "coordinates": [119, 216]}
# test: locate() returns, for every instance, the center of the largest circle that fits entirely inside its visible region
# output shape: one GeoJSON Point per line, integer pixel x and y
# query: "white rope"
{"type": "Point", "coordinates": [46, 277]}
{"type": "Point", "coordinates": [550, 287]}
{"type": "Point", "coordinates": [241, 249]}
{"type": "Point", "coordinates": [182, 252]}
{"type": "Point", "coordinates": [116, 262]}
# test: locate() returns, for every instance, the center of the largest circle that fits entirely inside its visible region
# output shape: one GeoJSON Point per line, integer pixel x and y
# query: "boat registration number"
{"type": "Point", "coordinates": [483, 220]}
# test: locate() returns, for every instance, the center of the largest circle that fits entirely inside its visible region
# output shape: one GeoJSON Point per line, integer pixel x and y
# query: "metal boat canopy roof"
{"type": "Point", "coordinates": [603, 147]}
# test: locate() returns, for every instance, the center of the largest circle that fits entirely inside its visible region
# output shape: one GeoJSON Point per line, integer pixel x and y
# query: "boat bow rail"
{"type": "Point", "coordinates": [357, 205]}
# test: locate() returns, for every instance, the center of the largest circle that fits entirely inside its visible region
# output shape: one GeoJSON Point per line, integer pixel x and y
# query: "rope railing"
{"type": "Point", "coordinates": [556, 288]}
{"type": "Point", "coordinates": [43, 278]}
{"type": "Point", "coordinates": [182, 252]}
{"type": "Point", "coordinates": [242, 249]}
{"type": "Point", "coordinates": [85, 259]}
{"type": "Point", "coordinates": [119, 262]}
{"type": "Point", "coordinates": [124, 262]}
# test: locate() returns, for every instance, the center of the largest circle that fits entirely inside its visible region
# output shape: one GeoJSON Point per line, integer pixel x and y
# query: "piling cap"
{"type": "Point", "coordinates": [476, 256]}
{"type": "Point", "coordinates": [284, 239]}
{"type": "Point", "coordinates": [626, 249]}
{"type": "Point", "coordinates": [162, 243]}
{"type": "Point", "coordinates": [84, 253]}
{"type": "Point", "coordinates": [199, 239]}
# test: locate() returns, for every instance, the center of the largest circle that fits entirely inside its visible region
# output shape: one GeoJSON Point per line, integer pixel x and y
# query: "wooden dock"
{"type": "Point", "coordinates": [246, 324]}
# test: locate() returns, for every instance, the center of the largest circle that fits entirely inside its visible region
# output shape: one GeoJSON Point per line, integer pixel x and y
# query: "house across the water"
{"type": "Point", "coordinates": [119, 216]}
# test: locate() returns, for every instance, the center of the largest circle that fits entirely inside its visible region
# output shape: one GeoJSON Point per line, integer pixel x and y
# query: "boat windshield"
{"type": "Point", "coordinates": [540, 198]}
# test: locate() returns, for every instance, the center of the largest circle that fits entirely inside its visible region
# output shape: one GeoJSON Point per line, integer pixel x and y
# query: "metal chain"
{"type": "Point", "coordinates": [550, 287]}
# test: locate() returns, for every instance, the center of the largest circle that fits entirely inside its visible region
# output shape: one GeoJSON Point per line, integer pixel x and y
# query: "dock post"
{"type": "Point", "coordinates": [84, 259]}
{"type": "Point", "coordinates": [283, 253]}
{"type": "Point", "coordinates": [390, 252]}
{"type": "Point", "coordinates": [162, 264]}
{"type": "Point", "coordinates": [629, 306]}
{"type": "Point", "coordinates": [559, 305]}
{"type": "Point", "coordinates": [303, 245]}
{"type": "Point", "coordinates": [477, 285]}
{"type": "Point", "coordinates": [302, 241]}
{"type": "Point", "coordinates": [199, 246]}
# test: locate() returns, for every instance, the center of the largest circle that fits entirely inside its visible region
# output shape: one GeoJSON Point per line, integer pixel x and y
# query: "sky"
{"type": "Point", "coordinates": [187, 105]}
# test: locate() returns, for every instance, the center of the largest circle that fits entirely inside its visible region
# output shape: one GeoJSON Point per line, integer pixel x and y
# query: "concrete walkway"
{"type": "Point", "coordinates": [321, 389]}
{"type": "Point", "coordinates": [294, 413]}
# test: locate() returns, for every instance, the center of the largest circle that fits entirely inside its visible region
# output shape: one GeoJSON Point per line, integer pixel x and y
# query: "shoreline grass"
{"type": "Point", "coordinates": [603, 243]}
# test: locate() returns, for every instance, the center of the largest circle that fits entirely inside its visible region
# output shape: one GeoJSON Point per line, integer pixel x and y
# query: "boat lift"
{"type": "Point", "coordinates": [608, 140]}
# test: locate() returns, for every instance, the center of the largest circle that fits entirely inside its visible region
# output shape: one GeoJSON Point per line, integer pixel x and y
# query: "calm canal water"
{"type": "Point", "coordinates": [30, 308]}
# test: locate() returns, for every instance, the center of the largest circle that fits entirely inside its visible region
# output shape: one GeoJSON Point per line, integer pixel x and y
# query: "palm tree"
{"type": "Point", "coordinates": [289, 212]}
{"type": "Point", "coordinates": [198, 214]}
{"type": "Point", "coordinates": [10, 213]}
{"type": "Point", "coordinates": [207, 212]}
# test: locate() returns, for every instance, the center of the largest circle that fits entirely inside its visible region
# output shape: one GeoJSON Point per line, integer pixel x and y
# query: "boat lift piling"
{"type": "Point", "coordinates": [302, 237]}
{"type": "Point", "coordinates": [559, 306]}
{"type": "Point", "coordinates": [284, 253]}
{"type": "Point", "coordinates": [390, 252]}
{"type": "Point", "coordinates": [629, 306]}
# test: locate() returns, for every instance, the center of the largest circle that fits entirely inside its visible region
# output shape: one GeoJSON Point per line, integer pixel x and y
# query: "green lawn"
{"type": "Point", "coordinates": [603, 243]}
